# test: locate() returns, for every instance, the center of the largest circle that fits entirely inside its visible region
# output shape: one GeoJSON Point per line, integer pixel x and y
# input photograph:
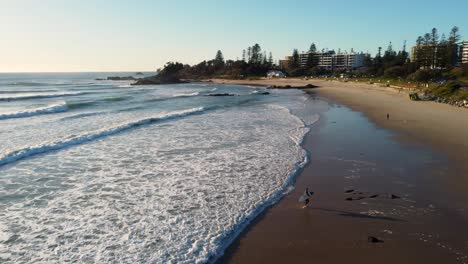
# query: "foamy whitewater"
{"type": "Point", "coordinates": [102, 171]}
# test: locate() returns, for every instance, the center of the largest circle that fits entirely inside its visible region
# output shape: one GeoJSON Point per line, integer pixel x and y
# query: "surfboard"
{"type": "Point", "coordinates": [304, 196]}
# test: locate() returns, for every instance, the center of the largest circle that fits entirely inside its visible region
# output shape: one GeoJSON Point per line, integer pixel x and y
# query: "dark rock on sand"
{"type": "Point", "coordinates": [349, 199]}
{"type": "Point", "coordinates": [372, 239]}
{"type": "Point", "coordinates": [349, 191]}
{"type": "Point", "coordinates": [392, 196]}
{"type": "Point", "coordinates": [374, 196]}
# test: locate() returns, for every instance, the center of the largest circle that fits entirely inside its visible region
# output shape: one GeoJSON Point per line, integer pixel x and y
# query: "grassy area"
{"type": "Point", "coordinates": [452, 90]}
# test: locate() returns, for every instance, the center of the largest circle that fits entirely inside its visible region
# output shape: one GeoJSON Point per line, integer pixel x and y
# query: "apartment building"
{"type": "Point", "coordinates": [330, 60]}
{"type": "Point", "coordinates": [464, 53]}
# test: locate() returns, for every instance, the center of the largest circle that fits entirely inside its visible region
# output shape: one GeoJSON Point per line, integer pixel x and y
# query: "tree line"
{"type": "Point", "coordinates": [254, 62]}
{"type": "Point", "coordinates": [434, 56]}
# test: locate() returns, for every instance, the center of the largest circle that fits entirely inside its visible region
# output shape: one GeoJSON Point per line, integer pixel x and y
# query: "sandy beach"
{"type": "Point", "coordinates": [402, 181]}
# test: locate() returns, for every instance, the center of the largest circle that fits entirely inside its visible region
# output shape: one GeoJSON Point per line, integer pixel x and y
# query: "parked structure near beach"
{"type": "Point", "coordinates": [275, 74]}
{"type": "Point", "coordinates": [464, 53]}
{"type": "Point", "coordinates": [328, 60]}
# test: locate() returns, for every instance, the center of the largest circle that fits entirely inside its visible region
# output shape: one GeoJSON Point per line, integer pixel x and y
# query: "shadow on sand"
{"type": "Point", "coordinates": [359, 215]}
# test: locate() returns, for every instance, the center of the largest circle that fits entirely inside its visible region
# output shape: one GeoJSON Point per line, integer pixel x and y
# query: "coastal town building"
{"type": "Point", "coordinates": [328, 60]}
{"type": "Point", "coordinates": [413, 54]}
{"type": "Point", "coordinates": [286, 62]}
{"type": "Point", "coordinates": [464, 53]}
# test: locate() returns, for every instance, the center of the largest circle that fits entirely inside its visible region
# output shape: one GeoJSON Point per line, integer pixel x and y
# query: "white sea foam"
{"type": "Point", "coordinates": [54, 108]}
{"type": "Point", "coordinates": [14, 155]}
{"type": "Point", "coordinates": [177, 192]}
{"type": "Point", "coordinates": [22, 96]}
{"type": "Point", "coordinates": [186, 94]}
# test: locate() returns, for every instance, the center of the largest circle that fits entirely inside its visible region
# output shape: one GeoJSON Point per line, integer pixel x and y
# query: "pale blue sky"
{"type": "Point", "coordinates": [118, 35]}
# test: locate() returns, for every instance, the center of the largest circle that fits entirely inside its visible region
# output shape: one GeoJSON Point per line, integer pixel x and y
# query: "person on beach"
{"type": "Point", "coordinates": [388, 116]}
{"type": "Point", "coordinates": [305, 198]}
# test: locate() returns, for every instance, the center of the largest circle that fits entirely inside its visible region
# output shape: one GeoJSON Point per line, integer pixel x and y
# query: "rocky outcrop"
{"type": "Point", "coordinates": [118, 78]}
{"type": "Point", "coordinates": [155, 80]}
{"type": "Point", "coordinates": [222, 94]}
{"type": "Point", "coordinates": [452, 102]}
{"type": "Point", "coordinates": [308, 86]}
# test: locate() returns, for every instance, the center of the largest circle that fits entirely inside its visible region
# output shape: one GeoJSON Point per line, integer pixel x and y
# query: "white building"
{"type": "Point", "coordinates": [464, 54]}
{"type": "Point", "coordinates": [331, 61]}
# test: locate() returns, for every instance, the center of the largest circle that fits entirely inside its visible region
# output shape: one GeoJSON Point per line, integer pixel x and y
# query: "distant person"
{"type": "Point", "coordinates": [305, 198]}
{"type": "Point", "coordinates": [388, 116]}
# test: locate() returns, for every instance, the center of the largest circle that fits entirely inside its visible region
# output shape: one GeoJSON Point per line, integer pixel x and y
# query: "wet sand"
{"type": "Point", "coordinates": [354, 147]}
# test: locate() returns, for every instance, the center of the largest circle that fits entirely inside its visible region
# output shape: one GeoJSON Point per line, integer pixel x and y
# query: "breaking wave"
{"type": "Point", "coordinates": [22, 153]}
{"type": "Point", "coordinates": [185, 94]}
{"type": "Point", "coordinates": [24, 96]}
{"type": "Point", "coordinates": [50, 109]}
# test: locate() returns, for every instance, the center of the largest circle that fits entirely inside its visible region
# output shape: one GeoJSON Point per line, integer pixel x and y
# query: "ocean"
{"type": "Point", "coordinates": [102, 171]}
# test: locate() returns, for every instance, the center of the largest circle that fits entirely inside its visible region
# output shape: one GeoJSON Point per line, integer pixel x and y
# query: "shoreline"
{"type": "Point", "coordinates": [272, 237]}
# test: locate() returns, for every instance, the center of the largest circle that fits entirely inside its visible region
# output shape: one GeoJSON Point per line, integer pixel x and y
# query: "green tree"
{"type": "Point", "coordinates": [403, 55]}
{"type": "Point", "coordinates": [264, 58]}
{"type": "Point", "coordinates": [295, 59]}
{"type": "Point", "coordinates": [312, 48]}
{"type": "Point", "coordinates": [451, 50]}
{"type": "Point", "coordinates": [454, 36]}
{"type": "Point", "coordinates": [434, 44]}
{"type": "Point", "coordinates": [256, 54]}
{"type": "Point", "coordinates": [310, 56]}
{"type": "Point", "coordinates": [418, 56]}
{"type": "Point", "coordinates": [270, 59]}
{"type": "Point", "coordinates": [378, 63]}
{"type": "Point", "coordinates": [219, 58]}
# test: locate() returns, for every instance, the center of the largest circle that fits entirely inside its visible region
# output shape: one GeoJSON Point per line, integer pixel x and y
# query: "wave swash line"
{"type": "Point", "coordinates": [15, 155]}
{"type": "Point", "coordinates": [50, 109]}
{"type": "Point", "coordinates": [25, 96]}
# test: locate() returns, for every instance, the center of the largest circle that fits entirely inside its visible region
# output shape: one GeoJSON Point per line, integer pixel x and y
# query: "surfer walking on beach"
{"type": "Point", "coordinates": [305, 198]}
{"type": "Point", "coordinates": [388, 116]}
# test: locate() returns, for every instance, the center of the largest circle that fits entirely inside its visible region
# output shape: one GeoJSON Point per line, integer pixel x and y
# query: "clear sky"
{"type": "Point", "coordinates": [140, 35]}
